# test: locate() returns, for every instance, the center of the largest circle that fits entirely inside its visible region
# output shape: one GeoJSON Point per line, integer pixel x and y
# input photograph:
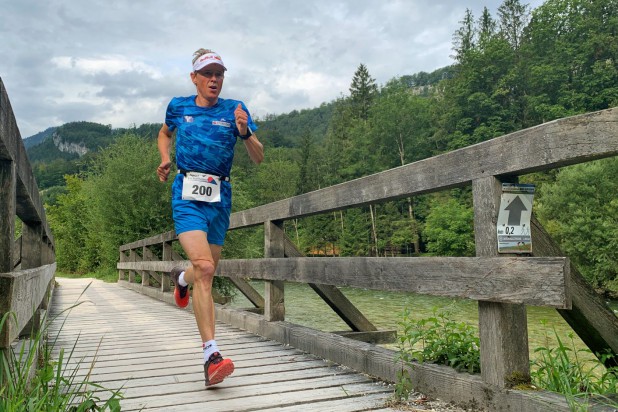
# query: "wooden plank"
{"type": "Point", "coordinates": [193, 362]}
{"type": "Point", "coordinates": [547, 146]}
{"type": "Point", "coordinates": [590, 317]}
{"type": "Point", "coordinates": [376, 337]}
{"type": "Point", "coordinates": [537, 281]}
{"type": "Point", "coordinates": [7, 217]}
{"type": "Point", "coordinates": [274, 296]}
{"type": "Point", "coordinates": [503, 328]}
{"type": "Point", "coordinates": [131, 353]}
{"type": "Point", "coordinates": [133, 358]}
{"type": "Point", "coordinates": [239, 398]}
{"type": "Point", "coordinates": [22, 293]}
{"type": "Point", "coordinates": [371, 402]}
{"type": "Point", "coordinates": [194, 381]}
{"type": "Point", "coordinates": [166, 377]}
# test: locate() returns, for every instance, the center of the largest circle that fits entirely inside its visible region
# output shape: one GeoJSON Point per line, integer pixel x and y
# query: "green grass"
{"type": "Point", "coordinates": [563, 369]}
{"type": "Point", "coordinates": [54, 386]}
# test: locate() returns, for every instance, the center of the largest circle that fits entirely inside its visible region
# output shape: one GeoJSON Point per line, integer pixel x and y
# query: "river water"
{"type": "Point", "coordinates": [385, 310]}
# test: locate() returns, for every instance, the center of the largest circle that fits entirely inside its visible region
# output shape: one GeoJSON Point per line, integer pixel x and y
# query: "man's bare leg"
{"type": "Point", "coordinates": [204, 259]}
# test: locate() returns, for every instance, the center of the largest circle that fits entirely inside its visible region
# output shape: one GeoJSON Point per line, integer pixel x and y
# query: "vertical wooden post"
{"type": "Point", "coordinates": [122, 258]}
{"type": "Point", "coordinates": [274, 302]}
{"type": "Point", "coordinates": [7, 217]}
{"type": "Point", "coordinates": [47, 251]}
{"type": "Point", "coordinates": [503, 327]}
{"type": "Point", "coordinates": [145, 274]}
{"type": "Point", "coordinates": [165, 276]}
{"type": "Point", "coordinates": [7, 225]}
{"type": "Point", "coordinates": [132, 258]}
{"type": "Point", "coordinates": [31, 245]}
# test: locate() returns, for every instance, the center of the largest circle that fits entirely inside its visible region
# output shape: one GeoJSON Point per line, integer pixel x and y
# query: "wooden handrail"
{"type": "Point", "coordinates": [550, 145]}
{"type": "Point", "coordinates": [533, 281]}
{"type": "Point", "coordinates": [27, 267]}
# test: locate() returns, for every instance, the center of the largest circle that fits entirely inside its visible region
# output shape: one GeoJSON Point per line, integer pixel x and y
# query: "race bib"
{"type": "Point", "coordinates": [201, 187]}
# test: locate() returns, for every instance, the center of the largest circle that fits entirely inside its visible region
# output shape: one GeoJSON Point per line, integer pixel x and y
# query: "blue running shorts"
{"type": "Point", "coordinates": [192, 215]}
{"type": "Point", "coordinates": [212, 218]}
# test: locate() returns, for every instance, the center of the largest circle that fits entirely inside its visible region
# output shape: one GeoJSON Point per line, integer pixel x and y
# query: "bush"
{"type": "Point", "coordinates": [439, 340]}
{"type": "Point", "coordinates": [449, 229]}
{"type": "Point", "coordinates": [580, 211]}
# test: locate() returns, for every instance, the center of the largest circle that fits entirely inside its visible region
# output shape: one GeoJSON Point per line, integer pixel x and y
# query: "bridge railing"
{"type": "Point", "coordinates": [27, 264]}
{"type": "Point", "coordinates": [502, 284]}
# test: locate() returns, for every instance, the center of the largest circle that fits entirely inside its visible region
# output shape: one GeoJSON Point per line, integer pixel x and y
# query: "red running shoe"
{"type": "Point", "coordinates": [181, 293]}
{"type": "Point", "coordinates": [217, 369]}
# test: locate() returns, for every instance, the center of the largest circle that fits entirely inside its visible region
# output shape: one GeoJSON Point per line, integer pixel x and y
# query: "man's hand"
{"type": "Point", "coordinates": [163, 171]}
{"type": "Point", "coordinates": [241, 120]}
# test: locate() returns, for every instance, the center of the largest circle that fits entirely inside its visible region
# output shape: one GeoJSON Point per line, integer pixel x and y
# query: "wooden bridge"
{"type": "Point", "coordinates": [148, 348]}
{"type": "Point", "coordinates": [502, 284]}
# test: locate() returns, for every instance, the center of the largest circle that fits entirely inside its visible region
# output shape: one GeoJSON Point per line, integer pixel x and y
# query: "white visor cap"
{"type": "Point", "coordinates": [206, 59]}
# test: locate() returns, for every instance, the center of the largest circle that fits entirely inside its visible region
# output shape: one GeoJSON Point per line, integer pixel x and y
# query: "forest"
{"type": "Point", "coordinates": [513, 70]}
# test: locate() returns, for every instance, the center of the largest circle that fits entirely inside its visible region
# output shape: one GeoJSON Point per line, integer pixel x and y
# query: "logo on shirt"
{"type": "Point", "coordinates": [188, 119]}
{"type": "Point", "coordinates": [212, 181]}
{"type": "Point", "coordinates": [221, 122]}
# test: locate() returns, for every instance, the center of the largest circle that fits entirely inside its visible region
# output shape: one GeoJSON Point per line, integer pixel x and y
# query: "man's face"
{"type": "Point", "coordinates": [209, 81]}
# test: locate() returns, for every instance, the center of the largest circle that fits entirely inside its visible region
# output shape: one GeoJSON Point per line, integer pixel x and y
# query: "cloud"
{"type": "Point", "coordinates": [119, 62]}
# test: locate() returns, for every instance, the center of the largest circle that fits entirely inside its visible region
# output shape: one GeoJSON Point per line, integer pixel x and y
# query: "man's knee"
{"type": "Point", "coordinates": [204, 270]}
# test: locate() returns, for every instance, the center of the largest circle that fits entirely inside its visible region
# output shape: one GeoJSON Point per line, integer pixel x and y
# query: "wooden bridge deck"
{"type": "Point", "coordinates": [151, 350]}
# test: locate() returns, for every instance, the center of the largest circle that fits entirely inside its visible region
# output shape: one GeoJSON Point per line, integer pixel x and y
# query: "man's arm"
{"type": "Point", "coordinates": [253, 145]}
{"type": "Point", "coordinates": [255, 149]}
{"type": "Point", "coordinates": [164, 143]}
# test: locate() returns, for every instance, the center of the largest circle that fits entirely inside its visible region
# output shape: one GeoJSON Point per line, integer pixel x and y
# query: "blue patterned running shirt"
{"type": "Point", "coordinates": [206, 136]}
{"type": "Point", "coordinates": [205, 140]}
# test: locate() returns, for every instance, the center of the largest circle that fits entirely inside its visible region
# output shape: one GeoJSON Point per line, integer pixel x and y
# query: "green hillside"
{"type": "Point", "coordinates": [38, 138]}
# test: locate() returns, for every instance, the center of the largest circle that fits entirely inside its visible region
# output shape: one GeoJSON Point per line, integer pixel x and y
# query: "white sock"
{"type": "Point", "coordinates": [181, 280]}
{"type": "Point", "coordinates": [210, 347]}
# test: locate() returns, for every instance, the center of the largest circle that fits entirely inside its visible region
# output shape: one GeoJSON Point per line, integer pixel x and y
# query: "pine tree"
{"type": "Point", "coordinates": [463, 39]}
{"type": "Point", "coordinates": [486, 28]}
{"type": "Point", "coordinates": [363, 91]}
{"type": "Point", "coordinates": [514, 18]}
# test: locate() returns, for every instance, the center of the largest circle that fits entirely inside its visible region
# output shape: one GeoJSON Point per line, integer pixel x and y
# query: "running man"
{"type": "Point", "coordinates": [207, 128]}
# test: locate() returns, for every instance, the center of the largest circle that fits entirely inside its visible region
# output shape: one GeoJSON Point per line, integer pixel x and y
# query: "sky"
{"type": "Point", "coordinates": [119, 62]}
